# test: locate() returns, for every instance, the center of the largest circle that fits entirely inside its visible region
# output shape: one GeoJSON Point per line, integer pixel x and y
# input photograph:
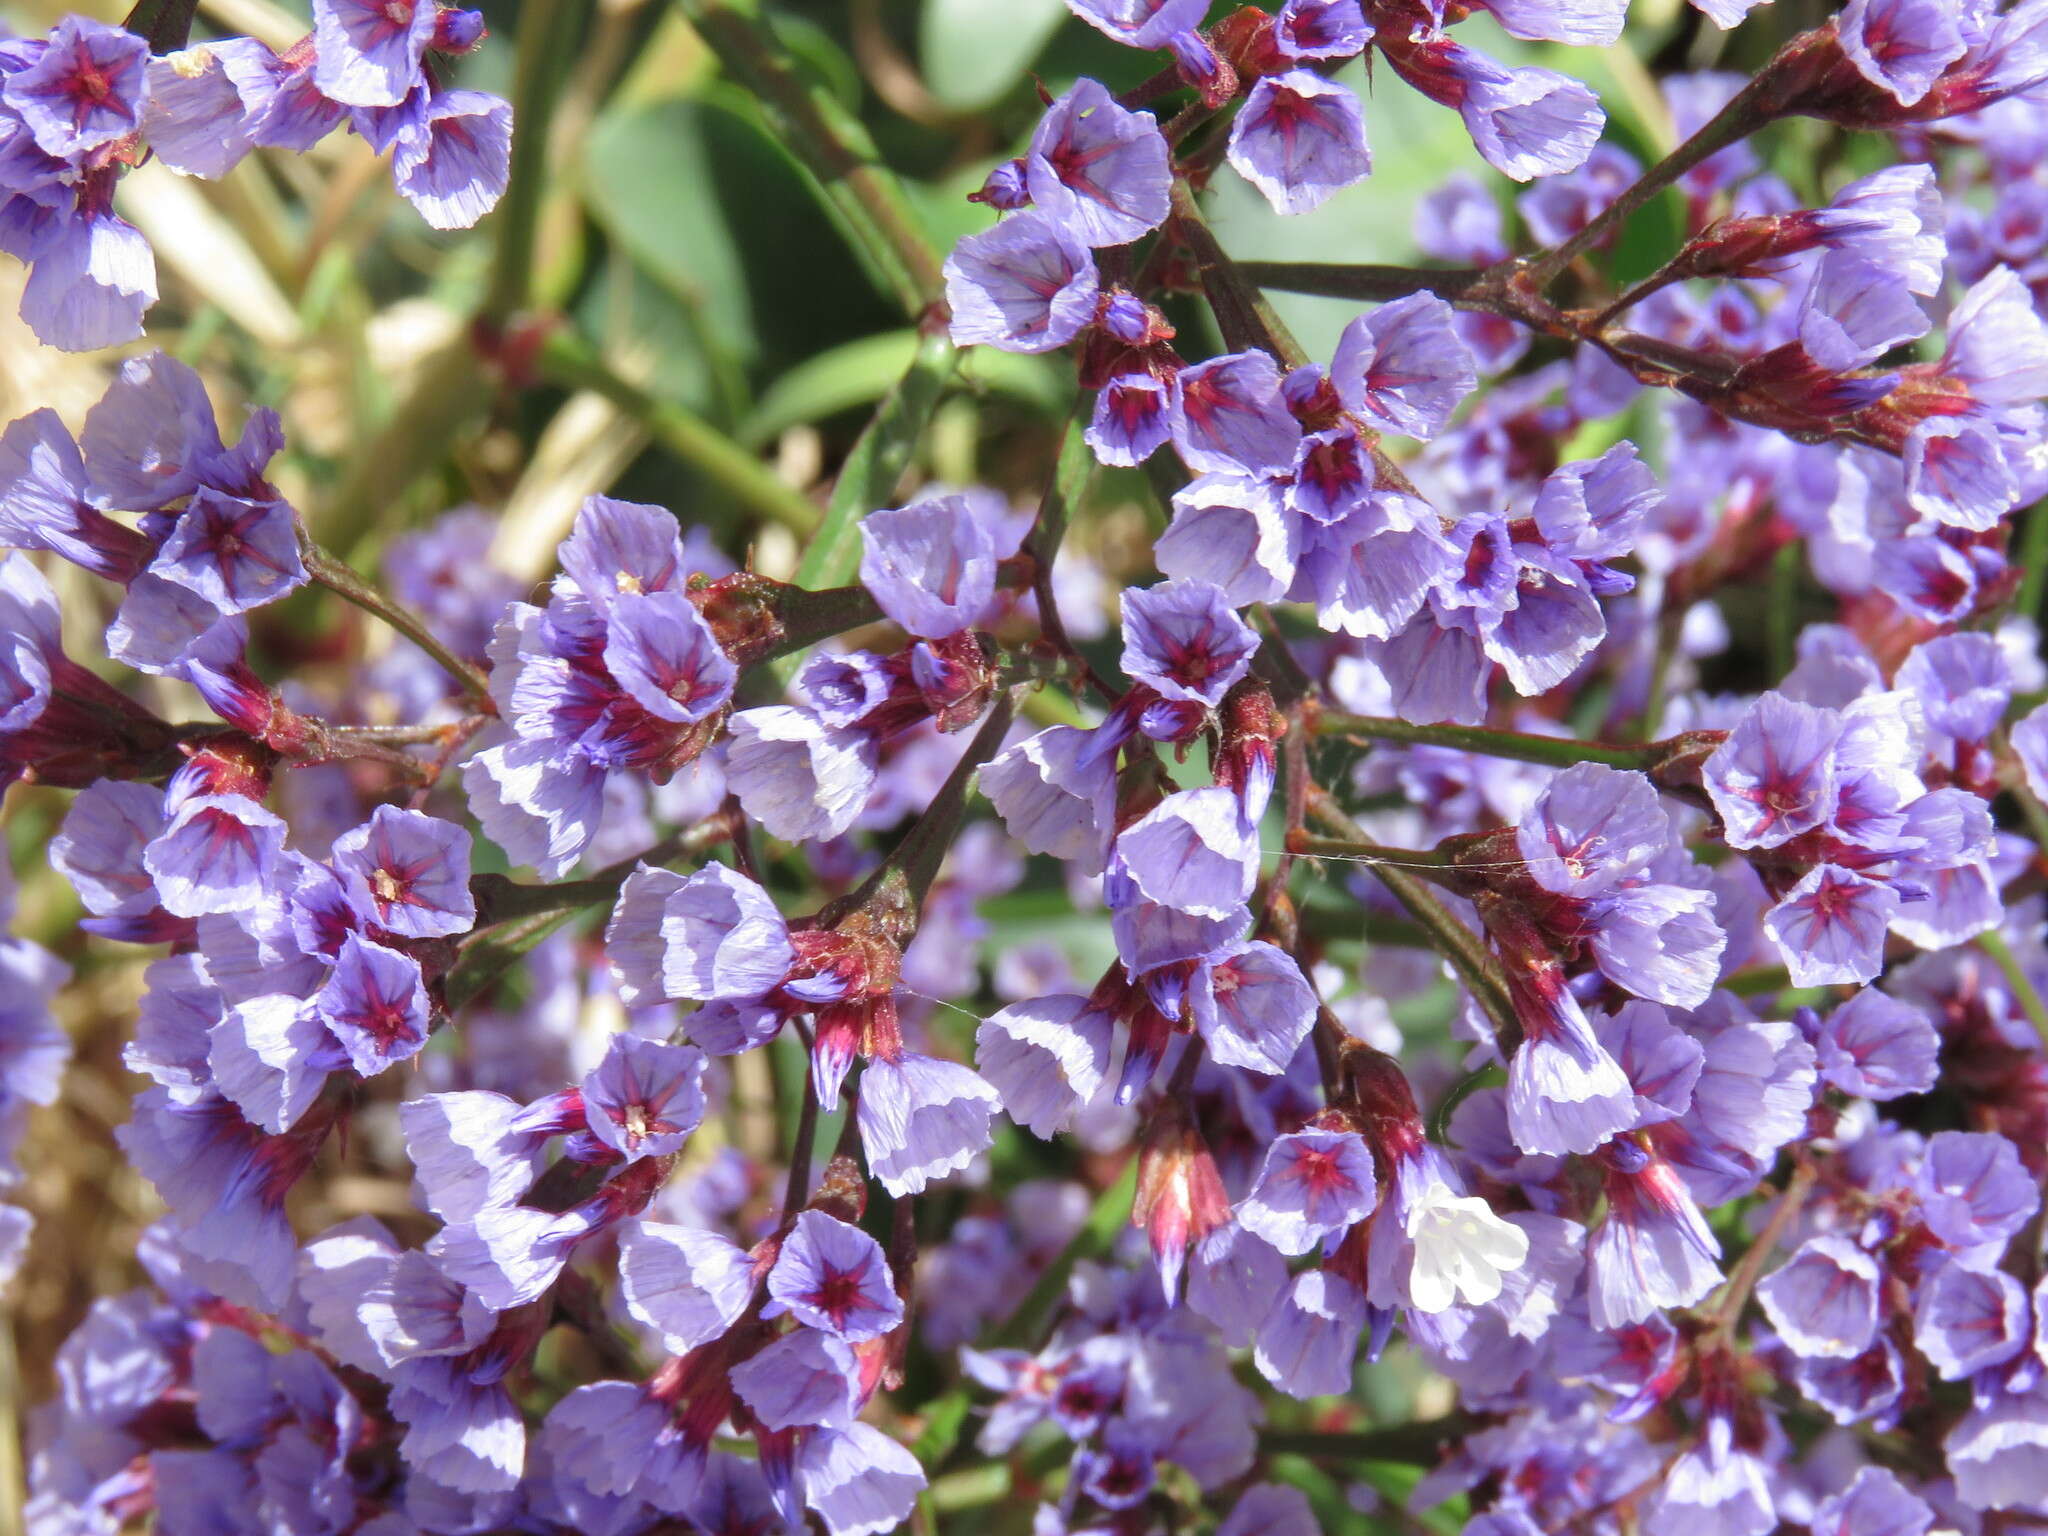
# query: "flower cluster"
{"type": "Point", "coordinates": [1474, 959]}
{"type": "Point", "coordinates": [87, 103]}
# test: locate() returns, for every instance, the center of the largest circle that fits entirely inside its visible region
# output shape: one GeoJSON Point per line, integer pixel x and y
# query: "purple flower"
{"type": "Point", "coordinates": [1592, 827]}
{"type": "Point", "coordinates": [1320, 29]}
{"type": "Point", "coordinates": [99, 850]}
{"type": "Point", "coordinates": [1027, 285]}
{"type": "Point", "coordinates": [1525, 122]}
{"type": "Point", "coordinates": [1184, 640]}
{"type": "Point", "coordinates": [511, 1254]}
{"type": "Point", "coordinates": [1966, 1320]}
{"type": "Point", "coordinates": [92, 277]}
{"type": "Point", "coordinates": [715, 935]}
{"type": "Point", "coordinates": [1876, 1503]}
{"type": "Point", "coordinates": [369, 54]}
{"type": "Point", "coordinates": [1232, 531]}
{"type": "Point", "coordinates": [930, 566]}
{"type": "Point", "coordinates": [375, 1004]}
{"type": "Point", "coordinates": [1773, 778]}
{"type": "Point", "coordinates": [1715, 1485]}
{"type": "Point", "coordinates": [646, 1097]}
{"type": "Point", "coordinates": [665, 657]}
{"type": "Point", "coordinates": [1565, 1093]}
{"type": "Point", "coordinates": [1131, 419]}
{"type": "Point", "coordinates": [1313, 1186]}
{"type": "Point", "coordinates": [1403, 365]}
{"type": "Point", "coordinates": [1055, 793]}
{"type": "Point", "coordinates": [686, 1285]}
{"type": "Point", "coordinates": [798, 777]}
{"type": "Point", "coordinates": [44, 501]}
{"type": "Point", "coordinates": [1098, 170]}
{"type": "Point", "coordinates": [1583, 23]}
{"type": "Point", "coordinates": [85, 89]}
{"type": "Point", "coordinates": [1298, 138]}
{"type": "Point", "coordinates": [408, 873]}
{"type": "Point", "coordinates": [833, 1277]}
{"type": "Point", "coordinates": [236, 553]}
{"type": "Point", "coordinates": [1824, 1299]}
{"type": "Point", "coordinates": [473, 1150]}
{"type": "Point", "coordinates": [1307, 1342]}
{"type": "Point", "coordinates": [1148, 24]}
{"type": "Point", "coordinates": [1252, 1006]}
{"type": "Point", "coordinates": [921, 1118]}
{"type": "Point", "coordinates": [803, 1379]}
{"type": "Point", "coordinates": [1973, 1189]}
{"type": "Point", "coordinates": [1661, 1061]}
{"type": "Point", "coordinates": [1192, 852]}
{"type": "Point", "coordinates": [1045, 1058]}
{"type": "Point", "coordinates": [216, 854]}
{"type": "Point", "coordinates": [857, 1480]}
{"type": "Point", "coordinates": [454, 165]}
{"type": "Point", "coordinates": [1654, 1250]}
{"type": "Point", "coordinates": [1900, 46]}
{"type": "Point", "coordinates": [1876, 1047]}
{"type": "Point", "coordinates": [1830, 927]}
{"type": "Point", "coordinates": [1229, 415]}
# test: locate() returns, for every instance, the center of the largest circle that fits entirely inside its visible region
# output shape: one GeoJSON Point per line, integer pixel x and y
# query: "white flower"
{"type": "Point", "coordinates": [1461, 1249]}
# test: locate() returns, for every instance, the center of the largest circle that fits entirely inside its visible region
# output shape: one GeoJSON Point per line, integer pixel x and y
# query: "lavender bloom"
{"type": "Point", "coordinates": [1148, 24]}
{"type": "Point", "coordinates": [370, 55]}
{"type": "Point", "coordinates": [1298, 138]}
{"type": "Point", "coordinates": [930, 566]}
{"type": "Point", "coordinates": [646, 1097]}
{"type": "Point", "coordinates": [1654, 1250]}
{"type": "Point", "coordinates": [665, 657]}
{"type": "Point", "coordinates": [1252, 1005]}
{"type": "Point", "coordinates": [1306, 1344]}
{"type": "Point", "coordinates": [1967, 1320]}
{"type": "Point", "coordinates": [687, 1286]}
{"type": "Point", "coordinates": [1192, 852]}
{"type": "Point", "coordinates": [835, 1278]}
{"type": "Point", "coordinates": [1973, 1189]}
{"type": "Point", "coordinates": [1899, 47]}
{"type": "Point", "coordinates": [1830, 927]}
{"type": "Point", "coordinates": [1183, 639]}
{"type": "Point", "coordinates": [921, 1118]}
{"type": "Point", "coordinates": [1876, 1047]}
{"type": "Point", "coordinates": [85, 89]}
{"type": "Point", "coordinates": [376, 1005]}
{"type": "Point", "coordinates": [1099, 171]}
{"type": "Point", "coordinates": [798, 777]}
{"type": "Point", "coordinates": [216, 854]}
{"type": "Point", "coordinates": [408, 873]}
{"type": "Point", "coordinates": [474, 1150]}
{"type": "Point", "coordinates": [1055, 792]}
{"type": "Point", "coordinates": [1716, 1485]}
{"type": "Point", "coordinates": [1313, 1185]}
{"type": "Point", "coordinates": [1027, 285]}
{"type": "Point", "coordinates": [857, 1480]}
{"type": "Point", "coordinates": [1231, 530]}
{"type": "Point", "coordinates": [236, 553]}
{"type": "Point", "coordinates": [1045, 1058]}
{"type": "Point", "coordinates": [1824, 1299]}
{"type": "Point", "coordinates": [99, 849]}
{"type": "Point", "coordinates": [1131, 419]}
{"type": "Point", "coordinates": [1229, 415]}
{"type": "Point", "coordinates": [454, 164]}
{"type": "Point", "coordinates": [1773, 778]}
{"type": "Point", "coordinates": [1404, 365]}
{"type": "Point", "coordinates": [1525, 122]}
{"type": "Point", "coordinates": [715, 935]}
{"type": "Point", "coordinates": [804, 1379]}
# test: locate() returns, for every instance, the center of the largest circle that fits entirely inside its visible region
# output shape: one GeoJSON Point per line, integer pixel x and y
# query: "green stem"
{"type": "Point", "coordinates": [1419, 1445]}
{"type": "Point", "coordinates": [2024, 992]}
{"type": "Point", "coordinates": [1458, 944]}
{"type": "Point", "coordinates": [345, 581]}
{"type": "Point", "coordinates": [2031, 560]}
{"type": "Point", "coordinates": [166, 25]}
{"type": "Point", "coordinates": [547, 46]}
{"type": "Point", "coordinates": [868, 478]}
{"type": "Point", "coordinates": [1727, 1312]}
{"type": "Point", "coordinates": [1557, 751]}
{"type": "Point", "coordinates": [1374, 853]}
{"type": "Point", "coordinates": [570, 361]}
{"type": "Point", "coordinates": [1366, 283]}
{"type": "Point", "coordinates": [830, 141]}
{"type": "Point", "coordinates": [1742, 116]}
{"type": "Point", "coordinates": [1242, 313]}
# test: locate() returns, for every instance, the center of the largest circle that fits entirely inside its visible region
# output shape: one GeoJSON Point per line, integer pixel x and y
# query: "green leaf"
{"type": "Point", "coordinates": [862, 372]}
{"type": "Point", "coordinates": [973, 51]}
